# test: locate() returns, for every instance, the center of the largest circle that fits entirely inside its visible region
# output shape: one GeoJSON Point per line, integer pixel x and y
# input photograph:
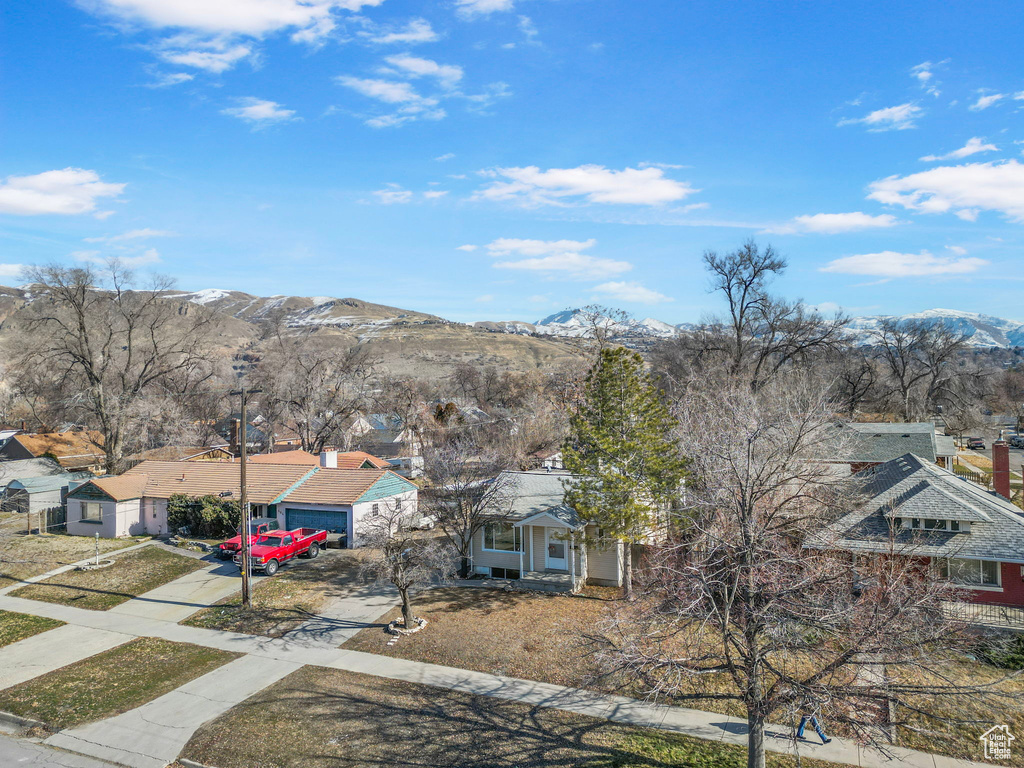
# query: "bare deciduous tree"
{"type": "Point", "coordinates": [738, 609]}
{"type": "Point", "coordinates": [394, 553]}
{"type": "Point", "coordinates": [104, 347]}
{"type": "Point", "coordinates": [466, 491]}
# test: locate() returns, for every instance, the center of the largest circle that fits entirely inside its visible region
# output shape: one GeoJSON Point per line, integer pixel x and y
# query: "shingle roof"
{"type": "Point", "coordinates": [338, 486]}
{"type": "Point", "coordinates": [532, 493]}
{"type": "Point", "coordinates": [122, 487]}
{"type": "Point", "coordinates": [44, 483]}
{"type": "Point", "coordinates": [909, 486]}
{"type": "Point", "coordinates": [72, 449]}
{"type": "Point", "coordinates": [346, 459]}
{"type": "Point", "coordinates": [877, 442]}
{"type": "Point", "coordinates": [19, 469]}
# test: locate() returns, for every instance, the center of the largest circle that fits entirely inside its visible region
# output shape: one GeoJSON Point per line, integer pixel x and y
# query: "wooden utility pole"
{"type": "Point", "coordinates": [243, 497]}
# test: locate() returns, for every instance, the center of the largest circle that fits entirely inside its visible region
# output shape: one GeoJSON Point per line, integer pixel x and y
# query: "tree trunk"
{"type": "Point", "coordinates": [627, 568]}
{"type": "Point", "coordinates": [755, 740]}
{"type": "Point", "coordinates": [407, 616]}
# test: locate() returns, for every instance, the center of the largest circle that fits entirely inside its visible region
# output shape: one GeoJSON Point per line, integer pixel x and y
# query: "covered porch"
{"type": "Point", "coordinates": [552, 554]}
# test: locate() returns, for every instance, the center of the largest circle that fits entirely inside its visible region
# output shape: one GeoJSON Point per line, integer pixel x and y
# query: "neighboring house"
{"type": "Point", "coordinates": [41, 495]}
{"type": "Point", "coordinates": [383, 434]}
{"type": "Point", "coordinates": [866, 444]}
{"type": "Point", "coordinates": [968, 534]}
{"type": "Point", "coordinates": [21, 469]}
{"type": "Point", "coordinates": [550, 458]}
{"type": "Point", "coordinates": [74, 451]}
{"type": "Point", "coordinates": [542, 542]}
{"type": "Point", "coordinates": [180, 453]}
{"type": "Point", "coordinates": [328, 459]}
{"type": "Point", "coordinates": [299, 495]}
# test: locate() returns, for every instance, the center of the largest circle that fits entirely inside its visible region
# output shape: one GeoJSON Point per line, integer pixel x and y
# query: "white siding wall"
{"type": "Point", "coordinates": [130, 521]}
{"type": "Point", "coordinates": [154, 513]}
{"type": "Point", "coordinates": [604, 563]}
{"type": "Point", "coordinates": [107, 529]}
{"type": "Point", "coordinates": [364, 509]}
{"type": "Point", "coordinates": [483, 559]}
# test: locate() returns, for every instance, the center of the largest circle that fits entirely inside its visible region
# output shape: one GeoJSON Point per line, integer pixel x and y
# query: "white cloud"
{"type": "Point", "coordinates": [482, 7]}
{"type": "Point", "coordinates": [592, 183]}
{"type": "Point", "coordinates": [633, 292]}
{"type": "Point", "coordinates": [412, 106]}
{"type": "Point", "coordinates": [528, 28]}
{"type": "Point", "coordinates": [555, 257]}
{"type": "Point", "coordinates": [924, 73]}
{"type": "Point", "coordinates": [467, 248]}
{"type": "Point", "coordinates": [435, 194]}
{"type": "Point", "coordinates": [416, 31]}
{"type": "Point", "coordinates": [444, 157]}
{"type": "Point", "coordinates": [393, 194]}
{"type": "Point", "coordinates": [166, 80]}
{"type": "Point", "coordinates": [147, 257]}
{"type": "Point", "coordinates": [133, 234]}
{"type": "Point", "coordinates": [834, 223]}
{"type": "Point", "coordinates": [244, 17]}
{"type": "Point", "coordinates": [972, 147]}
{"type": "Point", "coordinates": [211, 55]}
{"type": "Point", "coordinates": [890, 264]}
{"type": "Point", "coordinates": [11, 270]}
{"type": "Point", "coordinates": [897, 118]}
{"type": "Point", "coordinates": [984, 102]}
{"type": "Point", "coordinates": [259, 112]}
{"type": "Point", "coordinates": [413, 66]}
{"type": "Point", "coordinates": [961, 189]}
{"type": "Point", "coordinates": [69, 192]}
{"type": "Point", "coordinates": [484, 299]}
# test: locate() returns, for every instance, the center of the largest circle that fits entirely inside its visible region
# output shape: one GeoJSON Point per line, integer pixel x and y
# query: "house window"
{"type": "Point", "coordinates": [375, 510]}
{"type": "Point", "coordinates": [504, 573]}
{"type": "Point", "coordinates": [502, 537]}
{"type": "Point", "coordinates": [92, 512]}
{"type": "Point", "coordinates": [979, 573]}
{"type": "Point", "coordinates": [929, 524]}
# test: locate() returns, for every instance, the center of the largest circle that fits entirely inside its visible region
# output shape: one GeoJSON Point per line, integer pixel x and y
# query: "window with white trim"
{"type": "Point", "coordinates": [502, 537]}
{"type": "Point", "coordinates": [92, 511]}
{"type": "Point", "coordinates": [972, 573]}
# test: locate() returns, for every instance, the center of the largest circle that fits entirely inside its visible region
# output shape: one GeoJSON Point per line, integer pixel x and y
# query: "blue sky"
{"type": "Point", "coordinates": [504, 159]}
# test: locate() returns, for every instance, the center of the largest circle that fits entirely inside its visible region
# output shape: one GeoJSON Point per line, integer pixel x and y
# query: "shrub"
{"type": "Point", "coordinates": [204, 517]}
{"type": "Point", "coordinates": [1007, 653]}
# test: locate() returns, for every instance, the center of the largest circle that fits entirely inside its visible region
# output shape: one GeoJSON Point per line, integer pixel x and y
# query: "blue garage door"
{"type": "Point", "coordinates": [332, 522]}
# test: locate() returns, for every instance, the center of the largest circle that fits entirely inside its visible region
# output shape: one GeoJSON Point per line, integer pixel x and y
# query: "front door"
{"type": "Point", "coordinates": [556, 547]}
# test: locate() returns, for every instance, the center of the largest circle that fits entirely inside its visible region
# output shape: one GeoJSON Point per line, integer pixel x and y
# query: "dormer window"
{"type": "Point", "coordinates": [933, 524]}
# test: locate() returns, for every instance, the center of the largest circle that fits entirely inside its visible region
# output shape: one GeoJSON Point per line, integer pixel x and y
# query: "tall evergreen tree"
{"type": "Point", "coordinates": [620, 446]}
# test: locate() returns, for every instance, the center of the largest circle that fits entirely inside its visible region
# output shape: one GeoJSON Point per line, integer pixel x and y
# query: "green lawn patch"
{"type": "Point", "coordinates": [335, 718]}
{"type": "Point", "coordinates": [130, 576]}
{"type": "Point", "coordinates": [111, 682]}
{"type": "Point", "coordinates": [18, 626]}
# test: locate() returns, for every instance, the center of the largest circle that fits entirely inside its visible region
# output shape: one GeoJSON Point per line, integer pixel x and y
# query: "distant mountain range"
{"type": "Point", "coordinates": [985, 331]}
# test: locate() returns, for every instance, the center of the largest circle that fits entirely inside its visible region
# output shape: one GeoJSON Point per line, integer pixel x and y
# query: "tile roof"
{"type": "Point", "coordinates": [910, 486]}
{"type": "Point", "coordinates": [264, 482]}
{"type": "Point", "coordinates": [122, 487]}
{"type": "Point", "coordinates": [346, 459]}
{"type": "Point", "coordinates": [337, 486]}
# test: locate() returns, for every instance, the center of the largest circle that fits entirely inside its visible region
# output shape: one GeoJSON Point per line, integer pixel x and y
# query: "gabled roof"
{"type": "Point", "coordinates": [346, 459]}
{"type": "Point", "coordinates": [909, 486]}
{"type": "Point", "coordinates": [535, 493]}
{"type": "Point", "coordinates": [264, 482]}
{"type": "Point", "coordinates": [19, 469]}
{"type": "Point", "coordinates": [347, 486]}
{"type": "Point", "coordinates": [877, 442]}
{"type": "Point", "coordinates": [46, 483]}
{"type": "Point", "coordinates": [72, 449]}
{"type": "Point", "coordinates": [120, 487]}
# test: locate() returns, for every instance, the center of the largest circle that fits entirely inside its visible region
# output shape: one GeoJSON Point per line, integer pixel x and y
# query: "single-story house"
{"type": "Point", "coordinates": [865, 444]}
{"type": "Point", "coordinates": [19, 469]}
{"type": "Point", "coordinates": [180, 453]}
{"type": "Point", "coordinates": [540, 541]}
{"type": "Point", "coordinates": [80, 450]}
{"type": "Point", "coordinates": [969, 534]}
{"type": "Point", "coordinates": [43, 495]}
{"type": "Point", "coordinates": [338, 500]}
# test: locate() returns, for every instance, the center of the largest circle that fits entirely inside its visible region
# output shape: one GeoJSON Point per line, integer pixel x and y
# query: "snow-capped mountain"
{"type": "Point", "coordinates": [985, 331]}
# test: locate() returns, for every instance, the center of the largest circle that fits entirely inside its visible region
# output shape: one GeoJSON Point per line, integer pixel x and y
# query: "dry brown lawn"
{"type": "Point", "coordinates": [289, 599]}
{"type": "Point", "coordinates": [22, 556]}
{"type": "Point", "coordinates": [111, 682]}
{"type": "Point", "coordinates": [130, 576]}
{"type": "Point", "coordinates": [323, 718]}
{"type": "Point", "coordinates": [531, 635]}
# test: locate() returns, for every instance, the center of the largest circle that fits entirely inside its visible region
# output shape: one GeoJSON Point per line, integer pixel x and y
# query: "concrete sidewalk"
{"type": "Point", "coordinates": [34, 755]}
{"type": "Point", "coordinates": [358, 609]}
{"type": "Point", "coordinates": [56, 648]}
{"type": "Point", "coordinates": [620, 709]}
{"type": "Point", "coordinates": [153, 735]}
{"type": "Point", "coordinates": [182, 597]}
{"type": "Point", "coordinates": [71, 566]}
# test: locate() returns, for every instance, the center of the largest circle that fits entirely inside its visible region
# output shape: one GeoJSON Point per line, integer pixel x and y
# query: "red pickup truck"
{"type": "Point", "coordinates": [228, 549]}
{"type": "Point", "coordinates": [275, 547]}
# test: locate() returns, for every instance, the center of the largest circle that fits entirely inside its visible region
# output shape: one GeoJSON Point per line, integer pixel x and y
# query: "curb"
{"type": "Point", "coordinates": [21, 722]}
{"type": "Point", "coordinates": [192, 763]}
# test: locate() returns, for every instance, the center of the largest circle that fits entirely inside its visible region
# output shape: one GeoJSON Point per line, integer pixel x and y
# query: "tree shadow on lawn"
{"type": "Point", "coordinates": [374, 722]}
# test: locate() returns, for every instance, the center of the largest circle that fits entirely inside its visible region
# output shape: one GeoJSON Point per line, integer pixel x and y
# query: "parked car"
{"type": "Point", "coordinates": [422, 523]}
{"type": "Point", "coordinates": [275, 547]}
{"type": "Point", "coordinates": [1017, 441]}
{"type": "Point", "coordinates": [976, 443]}
{"type": "Point", "coordinates": [258, 525]}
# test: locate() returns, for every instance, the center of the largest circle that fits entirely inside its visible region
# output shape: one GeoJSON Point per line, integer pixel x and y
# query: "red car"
{"type": "Point", "coordinates": [228, 549]}
{"type": "Point", "coordinates": [275, 547]}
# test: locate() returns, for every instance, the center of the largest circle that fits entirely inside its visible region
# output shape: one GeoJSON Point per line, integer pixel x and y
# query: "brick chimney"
{"type": "Point", "coordinates": [236, 430]}
{"type": "Point", "coordinates": [329, 459]}
{"type": "Point", "coordinates": [1001, 468]}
